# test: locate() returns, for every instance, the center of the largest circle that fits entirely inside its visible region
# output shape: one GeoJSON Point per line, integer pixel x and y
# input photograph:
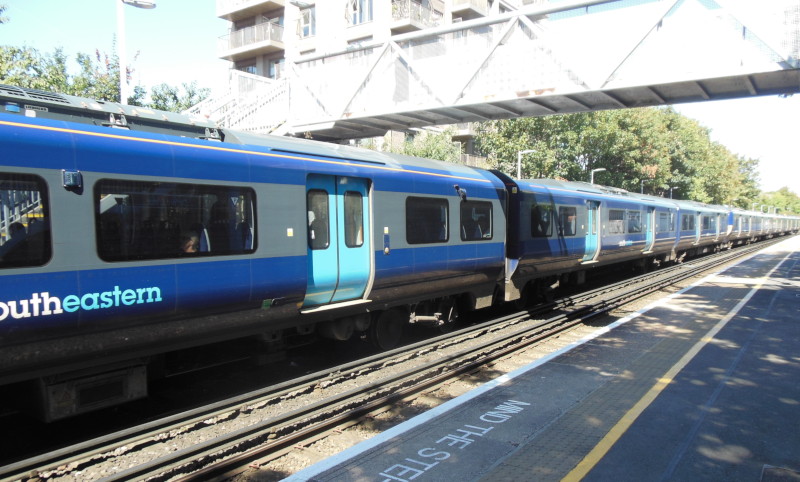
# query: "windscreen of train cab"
{"type": "Point", "coordinates": [24, 221]}
{"type": "Point", "coordinates": [138, 220]}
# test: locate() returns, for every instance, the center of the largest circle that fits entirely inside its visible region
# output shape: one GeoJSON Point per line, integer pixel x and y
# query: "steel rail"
{"type": "Point", "coordinates": [350, 406]}
{"type": "Point", "coordinates": [148, 431]}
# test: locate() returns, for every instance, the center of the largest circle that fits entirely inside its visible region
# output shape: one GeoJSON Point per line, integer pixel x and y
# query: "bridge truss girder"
{"type": "Point", "coordinates": [551, 60]}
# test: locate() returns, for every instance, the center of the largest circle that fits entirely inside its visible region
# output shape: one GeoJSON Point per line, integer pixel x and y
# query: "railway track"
{"type": "Point", "coordinates": [230, 434]}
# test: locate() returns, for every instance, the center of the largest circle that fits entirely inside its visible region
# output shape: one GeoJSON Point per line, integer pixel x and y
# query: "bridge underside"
{"type": "Point", "coordinates": [531, 104]}
{"type": "Point", "coordinates": [559, 58]}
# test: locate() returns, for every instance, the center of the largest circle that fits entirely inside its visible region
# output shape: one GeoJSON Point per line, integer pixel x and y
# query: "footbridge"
{"type": "Point", "coordinates": [542, 59]}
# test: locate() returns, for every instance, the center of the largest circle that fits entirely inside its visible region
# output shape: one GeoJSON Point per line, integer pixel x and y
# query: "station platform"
{"type": "Point", "coordinates": [701, 385]}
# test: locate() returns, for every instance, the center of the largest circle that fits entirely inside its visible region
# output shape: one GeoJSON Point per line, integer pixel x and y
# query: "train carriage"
{"type": "Point", "coordinates": [130, 237]}
{"type": "Point", "coordinates": [139, 242]}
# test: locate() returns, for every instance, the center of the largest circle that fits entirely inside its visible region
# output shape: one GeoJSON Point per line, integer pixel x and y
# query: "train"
{"type": "Point", "coordinates": [130, 237]}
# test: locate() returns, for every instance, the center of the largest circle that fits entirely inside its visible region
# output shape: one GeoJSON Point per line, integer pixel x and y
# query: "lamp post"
{"type": "Point", "coordinates": [123, 71]}
{"type": "Point", "coordinates": [591, 174]}
{"type": "Point", "coordinates": [519, 161]}
{"type": "Point", "coordinates": [670, 191]}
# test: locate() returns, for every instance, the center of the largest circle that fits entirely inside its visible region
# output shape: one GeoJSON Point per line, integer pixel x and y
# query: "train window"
{"type": "Point", "coordinates": [353, 219]}
{"type": "Point", "coordinates": [154, 220]}
{"type": "Point", "coordinates": [426, 220]}
{"type": "Point", "coordinates": [664, 223]}
{"type": "Point", "coordinates": [567, 220]}
{"type": "Point", "coordinates": [706, 222]}
{"type": "Point", "coordinates": [318, 219]}
{"type": "Point", "coordinates": [476, 220]}
{"type": "Point", "coordinates": [541, 220]}
{"type": "Point", "coordinates": [687, 222]}
{"type": "Point", "coordinates": [616, 221]}
{"type": "Point", "coordinates": [634, 221]}
{"type": "Point", "coordinates": [24, 221]}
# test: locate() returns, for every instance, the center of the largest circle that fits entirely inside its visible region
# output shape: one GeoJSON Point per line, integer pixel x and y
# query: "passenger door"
{"type": "Point", "coordinates": [650, 229]}
{"type": "Point", "coordinates": [592, 231]}
{"type": "Point", "coordinates": [339, 263]}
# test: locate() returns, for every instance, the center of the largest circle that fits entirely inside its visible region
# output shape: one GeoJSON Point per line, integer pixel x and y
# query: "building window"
{"type": "Point", "coordinates": [24, 221]}
{"type": "Point", "coordinates": [359, 11]}
{"type": "Point", "coordinates": [248, 68]}
{"type": "Point", "coordinates": [276, 68]}
{"type": "Point", "coordinates": [307, 24]}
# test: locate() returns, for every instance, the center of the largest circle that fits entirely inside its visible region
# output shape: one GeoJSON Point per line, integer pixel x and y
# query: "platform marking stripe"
{"type": "Point", "coordinates": [601, 449]}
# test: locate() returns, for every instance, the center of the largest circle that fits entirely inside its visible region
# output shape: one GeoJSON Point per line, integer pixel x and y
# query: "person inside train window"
{"type": "Point", "coordinates": [190, 243]}
{"type": "Point", "coordinates": [13, 248]}
{"type": "Point", "coordinates": [317, 202]}
{"type": "Point", "coordinates": [18, 233]}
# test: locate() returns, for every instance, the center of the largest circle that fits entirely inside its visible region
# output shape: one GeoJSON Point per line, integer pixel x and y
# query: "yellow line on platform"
{"type": "Point", "coordinates": [601, 449]}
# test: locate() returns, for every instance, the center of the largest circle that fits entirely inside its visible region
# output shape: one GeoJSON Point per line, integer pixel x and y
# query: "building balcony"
{"type": "Point", "coordinates": [234, 10]}
{"type": "Point", "coordinates": [261, 39]}
{"type": "Point", "coordinates": [469, 9]}
{"type": "Point", "coordinates": [409, 16]}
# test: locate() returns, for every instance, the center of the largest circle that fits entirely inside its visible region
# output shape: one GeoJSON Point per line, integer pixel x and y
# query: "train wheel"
{"type": "Point", "coordinates": [386, 331]}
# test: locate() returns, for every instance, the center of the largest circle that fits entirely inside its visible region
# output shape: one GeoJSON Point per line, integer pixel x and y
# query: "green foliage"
{"type": "Point", "coordinates": [167, 97]}
{"type": "Point", "coordinates": [97, 78]}
{"type": "Point", "coordinates": [652, 148]}
{"type": "Point", "coordinates": [430, 145]}
{"type": "Point", "coordinates": [786, 201]}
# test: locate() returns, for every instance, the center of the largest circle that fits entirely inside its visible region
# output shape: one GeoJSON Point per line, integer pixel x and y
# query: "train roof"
{"type": "Point", "coordinates": [598, 189]}
{"type": "Point", "coordinates": [55, 106]}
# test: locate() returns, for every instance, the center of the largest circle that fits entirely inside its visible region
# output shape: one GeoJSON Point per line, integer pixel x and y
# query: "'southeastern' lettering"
{"type": "Point", "coordinates": [42, 304]}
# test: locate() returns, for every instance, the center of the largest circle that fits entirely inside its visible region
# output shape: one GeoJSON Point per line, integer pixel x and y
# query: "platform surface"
{"type": "Point", "coordinates": [702, 385]}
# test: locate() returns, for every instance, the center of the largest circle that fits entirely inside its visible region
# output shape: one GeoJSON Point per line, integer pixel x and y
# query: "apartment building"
{"type": "Point", "coordinates": [265, 34]}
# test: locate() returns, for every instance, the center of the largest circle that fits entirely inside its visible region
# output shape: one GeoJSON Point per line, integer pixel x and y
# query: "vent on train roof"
{"type": "Point", "coordinates": [32, 94]}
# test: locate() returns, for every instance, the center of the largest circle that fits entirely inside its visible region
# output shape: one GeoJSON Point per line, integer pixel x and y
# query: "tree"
{"type": "Point", "coordinates": [649, 149]}
{"type": "Point", "coordinates": [97, 78]}
{"type": "Point", "coordinates": [784, 200]}
{"type": "Point", "coordinates": [167, 97]}
{"type": "Point", "coordinates": [431, 145]}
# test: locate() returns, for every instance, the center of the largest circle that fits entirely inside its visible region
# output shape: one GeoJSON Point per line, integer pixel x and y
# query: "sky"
{"type": "Point", "coordinates": [177, 43]}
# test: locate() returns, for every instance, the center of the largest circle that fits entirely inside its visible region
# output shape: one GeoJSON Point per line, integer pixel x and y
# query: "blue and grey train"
{"type": "Point", "coordinates": [129, 235]}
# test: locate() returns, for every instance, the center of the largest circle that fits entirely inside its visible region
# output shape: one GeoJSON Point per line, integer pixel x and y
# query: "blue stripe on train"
{"type": "Point", "coordinates": [438, 260]}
